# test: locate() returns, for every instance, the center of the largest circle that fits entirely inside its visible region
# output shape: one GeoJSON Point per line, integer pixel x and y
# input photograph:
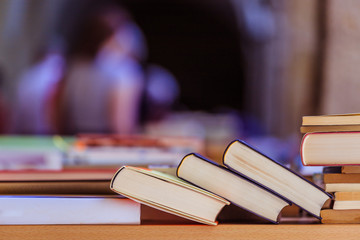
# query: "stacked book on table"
{"type": "Point", "coordinates": [333, 142]}
{"type": "Point", "coordinates": [110, 150]}
{"type": "Point", "coordinates": [57, 180]}
{"type": "Point", "coordinates": [63, 197]}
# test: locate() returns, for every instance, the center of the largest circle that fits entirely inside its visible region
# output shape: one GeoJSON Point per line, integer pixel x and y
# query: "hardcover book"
{"type": "Point", "coordinates": [330, 128]}
{"type": "Point", "coordinates": [344, 205]}
{"type": "Point", "coordinates": [27, 210]}
{"type": "Point", "coordinates": [350, 169]}
{"type": "Point", "coordinates": [251, 163]}
{"type": "Point", "coordinates": [135, 150]}
{"type": "Point", "coordinates": [168, 193]}
{"type": "Point", "coordinates": [55, 187]}
{"type": "Point", "coordinates": [347, 196]}
{"type": "Point", "coordinates": [330, 149]}
{"type": "Point", "coordinates": [61, 175]}
{"type": "Point", "coordinates": [340, 216]}
{"type": "Point", "coordinates": [342, 187]}
{"type": "Point", "coordinates": [334, 119]}
{"type": "Point", "coordinates": [240, 191]}
{"type": "Point", "coordinates": [342, 178]}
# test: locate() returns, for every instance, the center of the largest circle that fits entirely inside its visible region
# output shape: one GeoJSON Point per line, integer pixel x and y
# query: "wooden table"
{"type": "Point", "coordinates": [159, 232]}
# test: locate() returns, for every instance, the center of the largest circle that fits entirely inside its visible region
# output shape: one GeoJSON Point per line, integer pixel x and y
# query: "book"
{"type": "Point", "coordinates": [92, 140]}
{"type": "Point", "coordinates": [238, 190]}
{"type": "Point", "coordinates": [330, 128]}
{"type": "Point", "coordinates": [350, 169]}
{"type": "Point", "coordinates": [251, 163]}
{"type": "Point", "coordinates": [135, 150]}
{"type": "Point", "coordinates": [32, 152]}
{"type": "Point", "coordinates": [229, 214]}
{"type": "Point", "coordinates": [167, 193]}
{"type": "Point", "coordinates": [61, 175]}
{"type": "Point", "coordinates": [151, 216]}
{"type": "Point", "coordinates": [342, 178]}
{"type": "Point", "coordinates": [331, 148]}
{"type": "Point", "coordinates": [340, 216]}
{"type": "Point", "coordinates": [30, 210]}
{"type": "Point", "coordinates": [342, 187]}
{"type": "Point", "coordinates": [342, 205]}
{"type": "Point", "coordinates": [54, 187]}
{"type": "Point", "coordinates": [347, 196]}
{"type": "Point", "coordinates": [332, 169]}
{"type": "Point", "coordinates": [67, 181]}
{"type": "Point", "coordinates": [334, 119]}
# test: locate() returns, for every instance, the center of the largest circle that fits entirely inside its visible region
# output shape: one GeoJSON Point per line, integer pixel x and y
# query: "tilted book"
{"type": "Point", "coordinates": [240, 191]}
{"type": "Point", "coordinates": [168, 193]}
{"type": "Point", "coordinates": [251, 163]}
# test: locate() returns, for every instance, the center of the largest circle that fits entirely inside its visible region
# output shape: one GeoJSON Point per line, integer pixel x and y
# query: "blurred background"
{"type": "Point", "coordinates": [213, 69]}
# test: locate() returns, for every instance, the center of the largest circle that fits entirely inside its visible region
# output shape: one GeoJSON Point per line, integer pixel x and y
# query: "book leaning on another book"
{"type": "Point", "coordinates": [238, 190]}
{"type": "Point", "coordinates": [251, 163]}
{"type": "Point", "coordinates": [168, 193]}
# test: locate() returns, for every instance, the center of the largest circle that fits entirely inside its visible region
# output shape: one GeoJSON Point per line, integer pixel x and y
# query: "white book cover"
{"type": "Point", "coordinates": [16, 210]}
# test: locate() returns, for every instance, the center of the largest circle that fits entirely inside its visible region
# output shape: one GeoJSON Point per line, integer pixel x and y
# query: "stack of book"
{"type": "Point", "coordinates": [247, 179]}
{"type": "Point", "coordinates": [40, 185]}
{"type": "Point", "coordinates": [30, 152]}
{"type": "Point", "coordinates": [111, 150]}
{"type": "Point", "coordinates": [333, 142]}
{"type": "Point", "coordinates": [78, 196]}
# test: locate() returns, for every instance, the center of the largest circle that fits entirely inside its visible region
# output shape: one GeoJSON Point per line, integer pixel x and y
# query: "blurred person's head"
{"type": "Point", "coordinates": [109, 30]}
{"type": "Point", "coordinates": [99, 26]}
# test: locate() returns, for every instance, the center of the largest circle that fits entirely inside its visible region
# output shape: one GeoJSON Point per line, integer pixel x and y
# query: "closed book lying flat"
{"type": "Point", "coordinates": [235, 188]}
{"type": "Point", "coordinates": [249, 162]}
{"type": "Point", "coordinates": [330, 149]}
{"type": "Point", "coordinates": [342, 205]}
{"type": "Point", "coordinates": [340, 216]}
{"type": "Point", "coordinates": [168, 193]}
{"type": "Point", "coordinates": [350, 169]}
{"type": "Point", "coordinates": [332, 169]}
{"type": "Point", "coordinates": [342, 187]}
{"type": "Point", "coordinates": [333, 119]}
{"type": "Point", "coordinates": [61, 175]}
{"type": "Point", "coordinates": [55, 187]}
{"type": "Point", "coordinates": [27, 210]}
{"type": "Point", "coordinates": [347, 196]}
{"type": "Point", "coordinates": [342, 178]}
{"type": "Point", "coordinates": [329, 128]}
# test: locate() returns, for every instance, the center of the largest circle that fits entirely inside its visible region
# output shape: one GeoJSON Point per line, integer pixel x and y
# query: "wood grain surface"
{"type": "Point", "coordinates": [158, 232]}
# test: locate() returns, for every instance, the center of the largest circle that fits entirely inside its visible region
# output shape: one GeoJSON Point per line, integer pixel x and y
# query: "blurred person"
{"type": "Point", "coordinates": [34, 92]}
{"type": "Point", "coordinates": [161, 92]}
{"type": "Point", "coordinates": [4, 112]}
{"type": "Point", "coordinates": [102, 89]}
